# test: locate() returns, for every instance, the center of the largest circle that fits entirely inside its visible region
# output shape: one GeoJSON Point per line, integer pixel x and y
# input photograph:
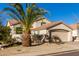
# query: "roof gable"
{"type": "Point", "coordinates": [60, 26]}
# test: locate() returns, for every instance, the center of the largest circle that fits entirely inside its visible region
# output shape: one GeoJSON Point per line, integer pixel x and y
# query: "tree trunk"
{"type": "Point", "coordinates": [26, 39]}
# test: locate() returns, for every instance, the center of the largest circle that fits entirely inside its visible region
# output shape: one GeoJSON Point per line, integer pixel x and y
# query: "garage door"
{"type": "Point", "coordinates": [62, 35]}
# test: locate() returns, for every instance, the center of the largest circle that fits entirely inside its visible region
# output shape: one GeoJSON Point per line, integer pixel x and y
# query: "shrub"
{"type": "Point", "coordinates": [5, 36]}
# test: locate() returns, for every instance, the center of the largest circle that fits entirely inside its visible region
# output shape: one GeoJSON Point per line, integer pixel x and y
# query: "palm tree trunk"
{"type": "Point", "coordinates": [26, 39]}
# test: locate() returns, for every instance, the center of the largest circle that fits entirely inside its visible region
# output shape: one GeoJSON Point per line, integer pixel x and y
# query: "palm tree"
{"type": "Point", "coordinates": [25, 17]}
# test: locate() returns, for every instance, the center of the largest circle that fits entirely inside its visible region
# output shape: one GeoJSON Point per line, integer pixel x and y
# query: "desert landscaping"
{"type": "Point", "coordinates": [40, 50]}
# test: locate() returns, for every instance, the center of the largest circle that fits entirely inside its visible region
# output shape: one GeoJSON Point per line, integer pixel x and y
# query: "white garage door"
{"type": "Point", "coordinates": [63, 35]}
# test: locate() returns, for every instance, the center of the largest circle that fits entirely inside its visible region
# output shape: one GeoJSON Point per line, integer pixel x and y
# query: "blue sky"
{"type": "Point", "coordinates": [66, 12]}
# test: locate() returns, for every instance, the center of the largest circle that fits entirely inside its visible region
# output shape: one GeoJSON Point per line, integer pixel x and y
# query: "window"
{"type": "Point", "coordinates": [42, 23]}
{"type": "Point", "coordinates": [18, 30]}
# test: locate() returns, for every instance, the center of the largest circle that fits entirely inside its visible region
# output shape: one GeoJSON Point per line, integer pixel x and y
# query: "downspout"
{"type": "Point", "coordinates": [50, 39]}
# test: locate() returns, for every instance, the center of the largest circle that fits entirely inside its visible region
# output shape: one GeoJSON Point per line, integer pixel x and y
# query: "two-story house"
{"type": "Point", "coordinates": [16, 30]}
{"type": "Point", "coordinates": [43, 26]}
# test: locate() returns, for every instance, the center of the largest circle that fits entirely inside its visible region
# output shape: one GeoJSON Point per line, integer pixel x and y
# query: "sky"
{"type": "Point", "coordinates": [65, 12]}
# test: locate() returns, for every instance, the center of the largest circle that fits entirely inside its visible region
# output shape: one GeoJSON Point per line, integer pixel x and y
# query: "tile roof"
{"type": "Point", "coordinates": [45, 26]}
{"type": "Point", "coordinates": [13, 22]}
{"type": "Point", "coordinates": [73, 26]}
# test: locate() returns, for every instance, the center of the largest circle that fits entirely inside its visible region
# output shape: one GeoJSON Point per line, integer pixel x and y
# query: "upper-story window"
{"type": "Point", "coordinates": [18, 30]}
{"type": "Point", "coordinates": [42, 23]}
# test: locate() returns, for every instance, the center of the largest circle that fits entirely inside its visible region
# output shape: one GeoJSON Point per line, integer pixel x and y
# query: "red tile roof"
{"type": "Point", "coordinates": [73, 26]}
{"type": "Point", "coordinates": [13, 22]}
{"type": "Point", "coordinates": [45, 26]}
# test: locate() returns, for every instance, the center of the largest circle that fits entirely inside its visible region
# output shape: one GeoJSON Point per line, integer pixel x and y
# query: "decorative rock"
{"type": "Point", "coordinates": [1, 47]}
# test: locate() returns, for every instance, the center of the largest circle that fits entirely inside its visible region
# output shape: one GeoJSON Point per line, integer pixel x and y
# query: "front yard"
{"type": "Point", "coordinates": [39, 50]}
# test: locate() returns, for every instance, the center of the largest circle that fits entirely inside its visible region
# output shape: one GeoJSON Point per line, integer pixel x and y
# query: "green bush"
{"type": "Point", "coordinates": [5, 36]}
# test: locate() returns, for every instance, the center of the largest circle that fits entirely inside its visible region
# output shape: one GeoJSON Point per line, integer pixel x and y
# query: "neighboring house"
{"type": "Point", "coordinates": [75, 32]}
{"type": "Point", "coordinates": [59, 29]}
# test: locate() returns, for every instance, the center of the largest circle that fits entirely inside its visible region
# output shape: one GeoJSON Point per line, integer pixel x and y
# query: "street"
{"type": "Point", "coordinates": [65, 53]}
{"type": "Point", "coordinates": [70, 54]}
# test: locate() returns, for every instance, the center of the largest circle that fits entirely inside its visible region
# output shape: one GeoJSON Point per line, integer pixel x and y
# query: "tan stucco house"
{"type": "Point", "coordinates": [14, 25]}
{"type": "Point", "coordinates": [63, 31]}
{"type": "Point", "coordinates": [43, 26]}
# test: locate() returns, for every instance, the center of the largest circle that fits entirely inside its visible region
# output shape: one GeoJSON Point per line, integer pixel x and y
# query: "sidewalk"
{"type": "Point", "coordinates": [40, 50]}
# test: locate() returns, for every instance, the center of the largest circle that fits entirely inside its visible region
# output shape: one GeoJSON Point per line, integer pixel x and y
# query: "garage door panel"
{"type": "Point", "coordinates": [61, 34]}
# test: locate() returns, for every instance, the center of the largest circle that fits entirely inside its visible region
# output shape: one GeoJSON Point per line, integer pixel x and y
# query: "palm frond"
{"type": "Point", "coordinates": [12, 16]}
{"type": "Point", "coordinates": [12, 11]}
{"type": "Point", "coordinates": [19, 8]}
{"type": "Point", "coordinates": [32, 13]}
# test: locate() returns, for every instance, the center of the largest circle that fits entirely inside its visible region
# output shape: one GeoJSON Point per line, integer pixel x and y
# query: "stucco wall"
{"type": "Point", "coordinates": [13, 31]}
{"type": "Point", "coordinates": [40, 32]}
{"type": "Point", "coordinates": [38, 23]}
{"type": "Point", "coordinates": [61, 26]}
{"type": "Point", "coordinates": [69, 36]}
{"type": "Point", "coordinates": [75, 32]}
